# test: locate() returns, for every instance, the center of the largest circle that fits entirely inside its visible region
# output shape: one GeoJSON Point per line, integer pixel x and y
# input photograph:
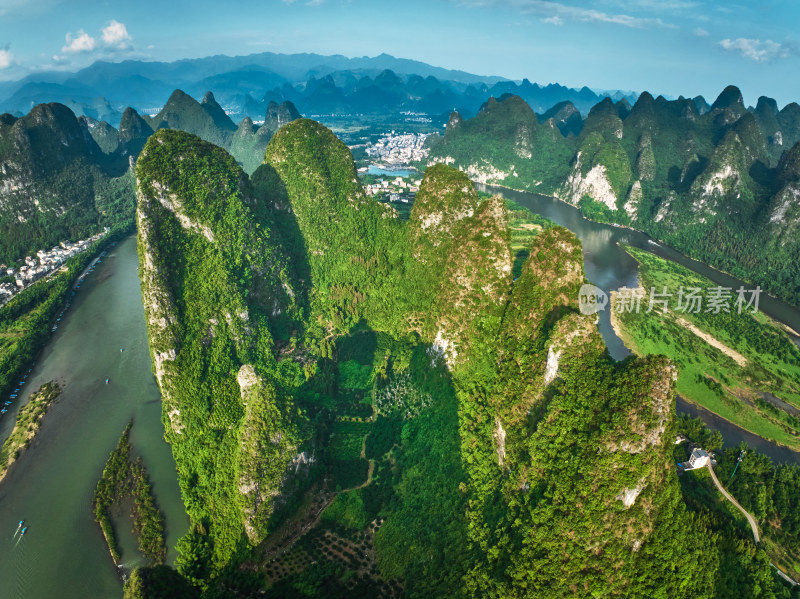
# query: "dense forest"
{"type": "Point", "coordinates": [56, 184]}
{"type": "Point", "coordinates": [65, 178]}
{"type": "Point", "coordinates": [122, 478]}
{"type": "Point", "coordinates": [718, 182]}
{"type": "Point", "coordinates": [360, 405]}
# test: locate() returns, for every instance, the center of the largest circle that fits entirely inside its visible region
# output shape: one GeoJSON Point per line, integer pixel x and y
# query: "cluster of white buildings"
{"type": "Point", "coordinates": [399, 149]}
{"type": "Point", "coordinates": [45, 262]}
{"type": "Point", "coordinates": [396, 190]}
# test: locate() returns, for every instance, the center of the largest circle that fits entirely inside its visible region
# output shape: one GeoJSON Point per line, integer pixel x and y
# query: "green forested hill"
{"type": "Point", "coordinates": [364, 406]}
{"type": "Point", "coordinates": [55, 182]}
{"type": "Point", "coordinates": [710, 183]}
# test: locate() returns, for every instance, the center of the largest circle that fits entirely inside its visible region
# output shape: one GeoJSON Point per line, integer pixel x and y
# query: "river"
{"type": "Point", "coordinates": [63, 554]}
{"type": "Point", "coordinates": [609, 267]}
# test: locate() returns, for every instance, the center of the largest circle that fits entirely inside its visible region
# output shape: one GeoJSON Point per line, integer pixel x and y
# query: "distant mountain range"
{"type": "Point", "coordinates": [244, 86]}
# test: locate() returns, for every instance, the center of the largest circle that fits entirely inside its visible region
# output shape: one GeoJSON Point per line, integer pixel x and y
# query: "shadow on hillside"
{"type": "Point", "coordinates": [273, 211]}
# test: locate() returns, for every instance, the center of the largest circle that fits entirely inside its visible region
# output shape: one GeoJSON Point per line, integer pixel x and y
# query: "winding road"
{"type": "Point", "coordinates": [729, 497]}
{"type": "Point", "coordinates": [750, 519]}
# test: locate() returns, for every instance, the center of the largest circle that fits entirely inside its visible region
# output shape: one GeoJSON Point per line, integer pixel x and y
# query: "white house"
{"type": "Point", "coordinates": [698, 459]}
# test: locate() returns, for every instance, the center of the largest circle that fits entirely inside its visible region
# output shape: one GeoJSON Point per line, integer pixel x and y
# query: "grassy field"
{"type": "Point", "coordinates": [743, 367]}
{"type": "Point", "coordinates": [523, 225]}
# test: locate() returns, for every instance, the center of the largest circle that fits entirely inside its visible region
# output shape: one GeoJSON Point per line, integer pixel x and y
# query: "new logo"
{"type": "Point", "coordinates": [592, 299]}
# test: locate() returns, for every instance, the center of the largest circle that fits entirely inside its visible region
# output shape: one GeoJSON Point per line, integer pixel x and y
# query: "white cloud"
{"type": "Point", "coordinates": [83, 42]}
{"type": "Point", "coordinates": [659, 5]}
{"type": "Point", "coordinates": [6, 58]}
{"type": "Point", "coordinates": [700, 32]}
{"type": "Point", "coordinates": [548, 9]}
{"type": "Point", "coordinates": [758, 50]}
{"type": "Point", "coordinates": [555, 20]}
{"type": "Point", "coordinates": [115, 34]}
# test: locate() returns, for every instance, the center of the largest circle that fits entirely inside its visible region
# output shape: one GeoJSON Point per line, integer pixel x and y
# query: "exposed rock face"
{"type": "Point", "coordinates": [211, 271]}
{"type": "Point", "coordinates": [784, 208]}
{"type": "Point", "coordinates": [632, 203]}
{"type": "Point", "coordinates": [594, 184]}
{"type": "Point", "coordinates": [279, 115]}
{"type": "Point", "coordinates": [461, 251]}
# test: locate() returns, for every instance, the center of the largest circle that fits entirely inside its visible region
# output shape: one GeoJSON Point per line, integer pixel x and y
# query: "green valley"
{"type": "Point", "coordinates": [742, 366]}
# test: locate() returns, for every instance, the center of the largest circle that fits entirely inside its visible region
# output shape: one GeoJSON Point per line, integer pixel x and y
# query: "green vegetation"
{"type": "Point", "coordinates": [715, 185]}
{"type": "Point", "coordinates": [158, 582]}
{"type": "Point", "coordinates": [360, 405]}
{"type": "Point", "coordinates": [25, 321]}
{"type": "Point", "coordinates": [27, 424]}
{"type": "Point", "coordinates": [754, 355]}
{"type": "Point", "coordinates": [530, 156]}
{"type": "Point", "coordinates": [523, 225]}
{"type": "Point", "coordinates": [123, 477]}
{"type": "Point", "coordinates": [770, 493]}
{"type": "Point", "coordinates": [57, 184]}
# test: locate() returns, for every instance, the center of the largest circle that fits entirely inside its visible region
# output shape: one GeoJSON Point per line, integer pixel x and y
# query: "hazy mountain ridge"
{"type": "Point", "coordinates": [244, 85]}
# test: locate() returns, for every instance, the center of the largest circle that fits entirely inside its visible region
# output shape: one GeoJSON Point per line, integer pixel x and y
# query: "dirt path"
{"type": "Point", "coordinates": [713, 342]}
{"type": "Point", "coordinates": [290, 532]}
{"type": "Point", "coordinates": [729, 497]}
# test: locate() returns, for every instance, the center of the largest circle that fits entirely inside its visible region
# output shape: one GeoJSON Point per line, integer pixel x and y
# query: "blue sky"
{"type": "Point", "coordinates": [673, 47]}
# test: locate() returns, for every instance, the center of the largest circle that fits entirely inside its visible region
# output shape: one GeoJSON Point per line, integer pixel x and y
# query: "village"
{"type": "Point", "coordinates": [399, 149]}
{"type": "Point", "coordinates": [34, 268]}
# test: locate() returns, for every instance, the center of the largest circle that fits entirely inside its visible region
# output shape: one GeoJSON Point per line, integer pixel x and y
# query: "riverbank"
{"type": "Point", "coordinates": [663, 243]}
{"type": "Point", "coordinates": [610, 267]}
{"type": "Point", "coordinates": [28, 423]}
{"type": "Point", "coordinates": [51, 486]}
{"type": "Point", "coordinates": [29, 319]}
{"type": "Point", "coordinates": [729, 362]}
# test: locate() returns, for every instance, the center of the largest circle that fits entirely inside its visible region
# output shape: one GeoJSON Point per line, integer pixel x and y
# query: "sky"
{"type": "Point", "coordinates": [670, 47]}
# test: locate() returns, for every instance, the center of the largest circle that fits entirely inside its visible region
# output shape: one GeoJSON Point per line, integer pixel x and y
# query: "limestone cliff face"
{"type": "Point", "coordinates": [460, 250]}
{"type": "Point", "coordinates": [506, 144]}
{"type": "Point", "coordinates": [564, 421]}
{"type": "Point", "coordinates": [215, 287]}
{"type": "Point", "coordinates": [784, 208]}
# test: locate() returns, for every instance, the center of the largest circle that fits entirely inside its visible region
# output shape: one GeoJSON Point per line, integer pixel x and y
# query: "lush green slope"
{"type": "Point", "coordinates": [55, 182]}
{"type": "Point", "coordinates": [216, 292]}
{"type": "Point", "coordinates": [468, 433]}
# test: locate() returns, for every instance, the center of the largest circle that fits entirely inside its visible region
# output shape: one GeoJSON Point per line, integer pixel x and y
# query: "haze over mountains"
{"type": "Point", "coordinates": [244, 86]}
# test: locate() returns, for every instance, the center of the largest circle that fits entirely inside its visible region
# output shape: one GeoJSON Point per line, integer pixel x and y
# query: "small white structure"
{"type": "Point", "coordinates": [698, 459]}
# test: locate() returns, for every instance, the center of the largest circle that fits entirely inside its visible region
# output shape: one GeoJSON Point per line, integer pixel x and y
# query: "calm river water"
{"type": "Point", "coordinates": [609, 267]}
{"type": "Point", "coordinates": [63, 554]}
